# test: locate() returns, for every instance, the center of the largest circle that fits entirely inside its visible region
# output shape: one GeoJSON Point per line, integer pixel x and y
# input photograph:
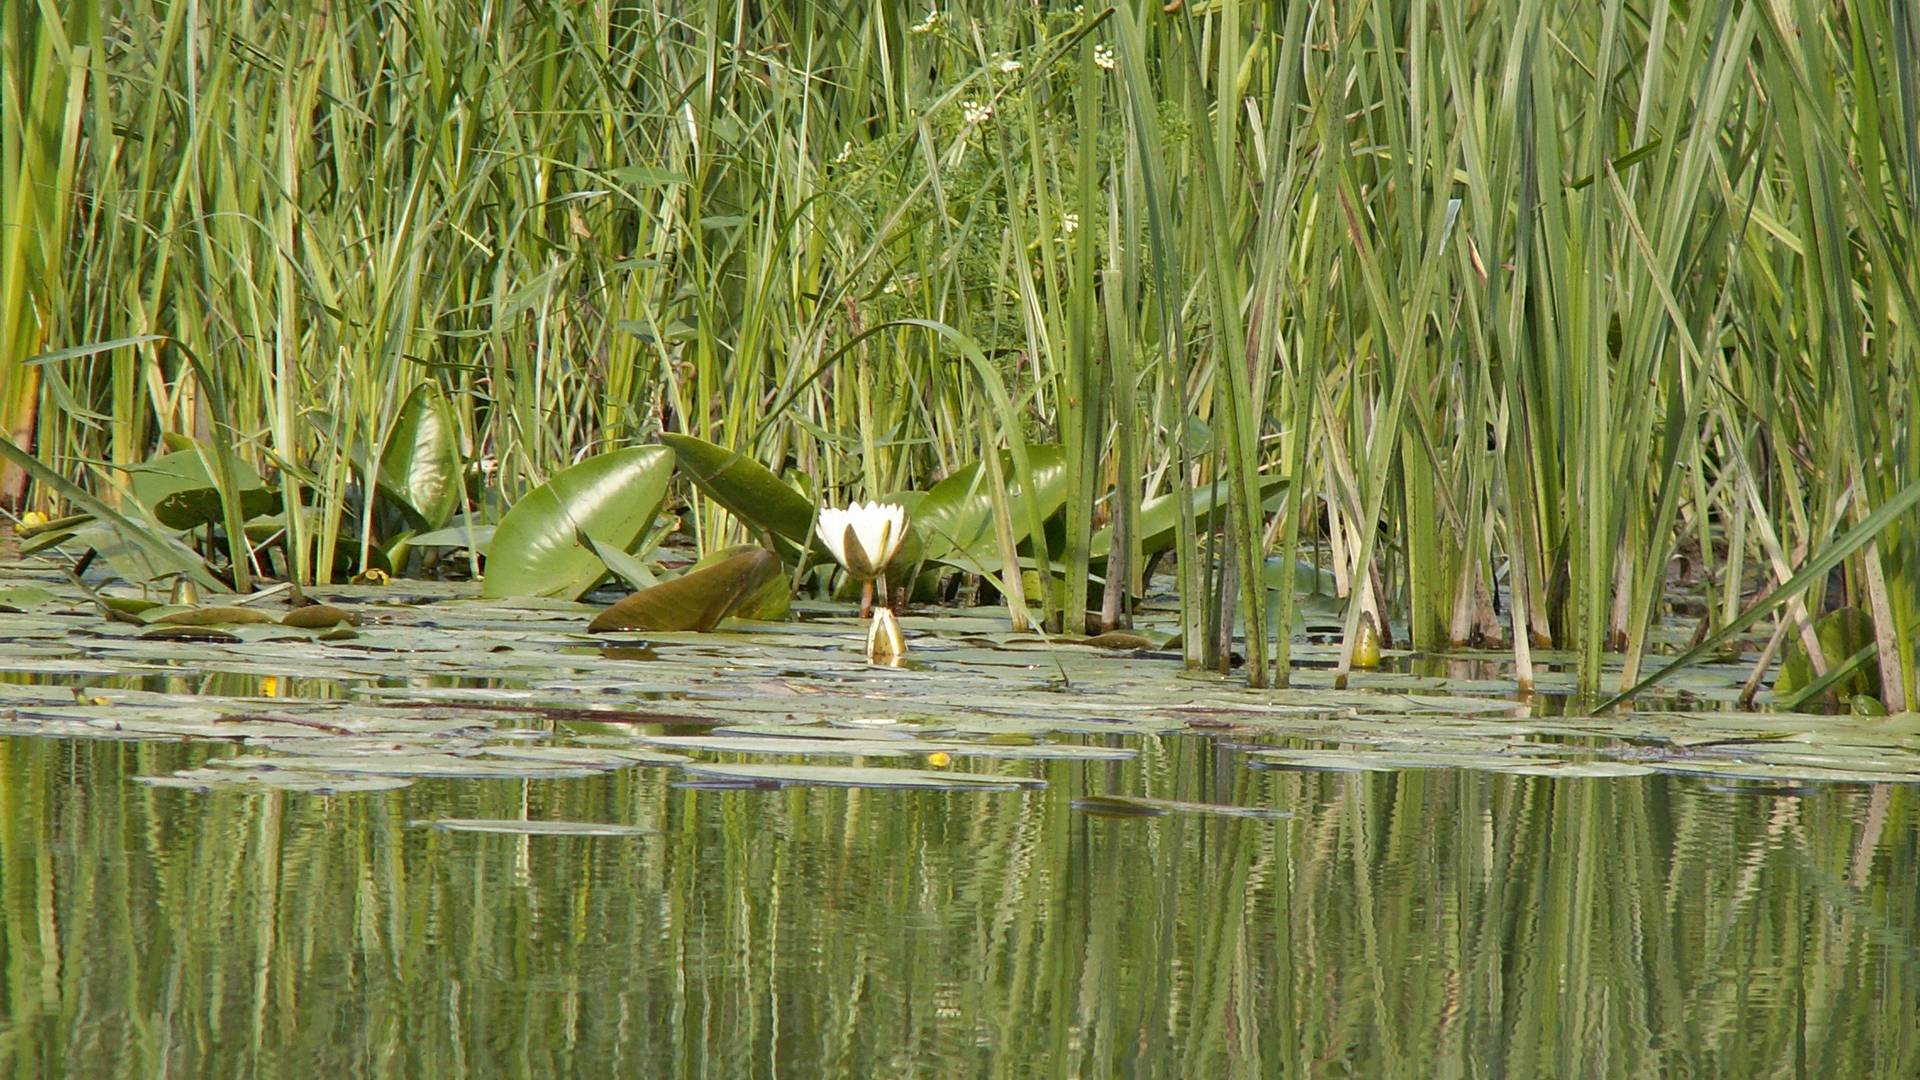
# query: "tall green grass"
{"type": "Point", "coordinates": [1533, 302]}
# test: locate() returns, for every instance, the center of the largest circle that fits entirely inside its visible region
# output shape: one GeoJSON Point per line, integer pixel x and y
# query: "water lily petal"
{"type": "Point", "coordinates": [833, 530]}
{"type": "Point", "coordinates": [856, 560]}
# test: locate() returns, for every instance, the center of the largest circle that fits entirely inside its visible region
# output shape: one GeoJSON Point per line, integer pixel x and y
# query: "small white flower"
{"type": "Point", "coordinates": [926, 25]}
{"type": "Point", "coordinates": [1103, 57]}
{"type": "Point", "coordinates": [864, 537]}
{"type": "Point", "coordinates": [1069, 223]}
{"type": "Point", "coordinates": [846, 151]}
{"type": "Point", "coordinates": [1079, 9]}
{"type": "Point", "coordinates": [1009, 66]}
{"type": "Point", "coordinates": [976, 112]}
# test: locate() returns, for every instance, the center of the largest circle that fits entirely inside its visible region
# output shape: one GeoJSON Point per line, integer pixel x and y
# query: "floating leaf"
{"type": "Point", "coordinates": [420, 460]}
{"type": "Point", "coordinates": [747, 489]}
{"type": "Point", "coordinates": [215, 615]}
{"type": "Point", "coordinates": [537, 551]}
{"type": "Point", "coordinates": [696, 600]}
{"type": "Point", "coordinates": [141, 555]}
{"type": "Point", "coordinates": [1141, 806]}
{"type": "Point", "coordinates": [844, 744]}
{"type": "Point", "coordinates": [770, 602]}
{"type": "Point", "coordinates": [856, 776]}
{"type": "Point", "coordinates": [25, 596]}
{"type": "Point", "coordinates": [207, 779]}
{"type": "Point", "coordinates": [419, 763]}
{"type": "Point", "coordinates": [191, 633]}
{"type": "Point", "coordinates": [318, 617]}
{"type": "Point", "coordinates": [516, 827]}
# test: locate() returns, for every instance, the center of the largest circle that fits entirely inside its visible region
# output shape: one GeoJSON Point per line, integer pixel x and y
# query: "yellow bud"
{"type": "Point", "coordinates": [270, 687]}
{"type": "Point", "coordinates": [1366, 643]}
{"type": "Point", "coordinates": [32, 519]}
{"type": "Point", "coordinates": [939, 759]}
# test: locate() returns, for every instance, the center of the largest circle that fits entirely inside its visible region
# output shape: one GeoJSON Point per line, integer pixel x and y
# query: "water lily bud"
{"type": "Point", "coordinates": [1366, 643]}
{"type": "Point", "coordinates": [886, 644]}
{"type": "Point", "coordinates": [185, 593]}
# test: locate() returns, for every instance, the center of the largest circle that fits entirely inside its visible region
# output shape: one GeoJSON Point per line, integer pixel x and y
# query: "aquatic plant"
{"type": "Point", "coordinates": [864, 539]}
{"type": "Point", "coordinates": [1528, 319]}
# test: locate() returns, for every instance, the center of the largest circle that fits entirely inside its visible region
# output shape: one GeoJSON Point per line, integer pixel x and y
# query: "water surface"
{"type": "Point", "coordinates": [1416, 923]}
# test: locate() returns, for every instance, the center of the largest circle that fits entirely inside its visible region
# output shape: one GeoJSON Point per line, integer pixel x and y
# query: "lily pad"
{"type": "Point", "coordinates": [318, 617]}
{"type": "Point", "coordinates": [212, 634]}
{"type": "Point", "coordinates": [516, 827]}
{"type": "Point", "coordinates": [1159, 520]}
{"type": "Point", "coordinates": [208, 779]}
{"type": "Point", "coordinates": [954, 520]}
{"type": "Point", "coordinates": [697, 600]}
{"type": "Point", "coordinates": [769, 602]}
{"type": "Point", "coordinates": [215, 615]}
{"type": "Point", "coordinates": [1841, 633]}
{"type": "Point", "coordinates": [1141, 806]}
{"type": "Point", "coordinates": [476, 537]}
{"type": "Point", "coordinates": [747, 489]}
{"type": "Point", "coordinates": [180, 491]}
{"type": "Point", "coordinates": [856, 776]}
{"type": "Point", "coordinates": [536, 551]}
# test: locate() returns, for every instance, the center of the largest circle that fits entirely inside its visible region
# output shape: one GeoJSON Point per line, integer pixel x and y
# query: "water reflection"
{"type": "Point", "coordinates": [1427, 923]}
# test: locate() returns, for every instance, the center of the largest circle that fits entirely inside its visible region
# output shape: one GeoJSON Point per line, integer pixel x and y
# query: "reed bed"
{"type": "Point", "coordinates": [1541, 308]}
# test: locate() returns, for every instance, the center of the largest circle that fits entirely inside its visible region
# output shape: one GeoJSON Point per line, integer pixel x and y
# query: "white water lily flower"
{"type": "Point", "coordinates": [864, 537]}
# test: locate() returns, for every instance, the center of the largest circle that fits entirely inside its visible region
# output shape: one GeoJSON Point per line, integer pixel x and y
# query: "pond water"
{"type": "Point", "coordinates": [1405, 879]}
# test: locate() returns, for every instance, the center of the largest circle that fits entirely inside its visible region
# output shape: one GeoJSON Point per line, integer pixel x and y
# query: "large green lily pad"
{"type": "Point", "coordinates": [536, 550]}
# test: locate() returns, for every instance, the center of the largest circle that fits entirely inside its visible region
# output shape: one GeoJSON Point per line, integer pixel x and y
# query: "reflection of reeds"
{"type": "Point", "coordinates": [1419, 923]}
{"type": "Point", "coordinates": [1526, 299]}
